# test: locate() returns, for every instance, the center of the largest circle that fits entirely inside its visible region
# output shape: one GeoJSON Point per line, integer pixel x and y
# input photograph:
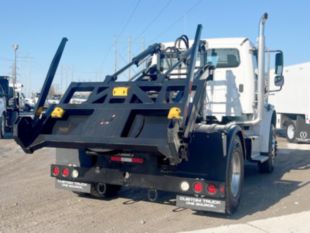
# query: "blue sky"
{"type": "Point", "coordinates": [93, 26]}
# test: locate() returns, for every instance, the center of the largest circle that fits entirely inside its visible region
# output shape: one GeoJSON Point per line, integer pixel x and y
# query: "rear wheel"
{"type": "Point", "coordinates": [2, 127]}
{"type": "Point", "coordinates": [235, 176]}
{"type": "Point", "coordinates": [268, 165]}
{"type": "Point", "coordinates": [291, 131]}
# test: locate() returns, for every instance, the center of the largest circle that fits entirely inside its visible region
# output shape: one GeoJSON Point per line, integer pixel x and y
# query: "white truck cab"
{"type": "Point", "coordinates": [232, 91]}
{"type": "Point", "coordinates": [235, 95]}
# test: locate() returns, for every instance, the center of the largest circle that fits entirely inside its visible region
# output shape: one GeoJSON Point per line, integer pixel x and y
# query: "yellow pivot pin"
{"type": "Point", "coordinates": [58, 112]}
{"type": "Point", "coordinates": [174, 113]}
{"type": "Point", "coordinates": [120, 91]}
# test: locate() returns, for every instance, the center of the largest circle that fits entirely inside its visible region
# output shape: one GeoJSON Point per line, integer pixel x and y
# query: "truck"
{"type": "Point", "coordinates": [10, 104]}
{"type": "Point", "coordinates": [293, 103]}
{"type": "Point", "coordinates": [185, 123]}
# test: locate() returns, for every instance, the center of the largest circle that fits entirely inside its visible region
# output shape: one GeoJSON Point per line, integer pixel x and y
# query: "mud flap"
{"type": "Point", "coordinates": [73, 186]}
{"type": "Point", "coordinates": [201, 204]}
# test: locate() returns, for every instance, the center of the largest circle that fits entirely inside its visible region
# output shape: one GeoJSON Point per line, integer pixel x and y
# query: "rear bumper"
{"type": "Point", "coordinates": [169, 183]}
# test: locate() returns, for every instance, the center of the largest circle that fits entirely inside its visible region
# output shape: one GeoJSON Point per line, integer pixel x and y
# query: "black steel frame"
{"type": "Point", "coordinates": [148, 96]}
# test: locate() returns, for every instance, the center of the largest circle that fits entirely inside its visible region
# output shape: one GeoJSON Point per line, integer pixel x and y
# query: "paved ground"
{"type": "Point", "coordinates": [297, 223]}
{"type": "Point", "coordinates": [30, 203]}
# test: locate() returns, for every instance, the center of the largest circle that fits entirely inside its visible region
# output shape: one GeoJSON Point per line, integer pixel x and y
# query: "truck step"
{"type": "Point", "coordinates": [253, 137]}
{"type": "Point", "coordinates": [259, 158]}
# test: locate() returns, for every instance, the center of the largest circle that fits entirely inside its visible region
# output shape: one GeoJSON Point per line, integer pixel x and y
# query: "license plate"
{"type": "Point", "coordinates": [73, 186]}
{"type": "Point", "coordinates": [203, 204]}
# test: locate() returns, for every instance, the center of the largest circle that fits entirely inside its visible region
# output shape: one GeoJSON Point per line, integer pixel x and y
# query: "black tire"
{"type": "Point", "coordinates": [2, 127]}
{"type": "Point", "coordinates": [291, 131]}
{"type": "Point", "coordinates": [234, 176]}
{"type": "Point", "coordinates": [101, 190]}
{"type": "Point", "coordinates": [268, 166]}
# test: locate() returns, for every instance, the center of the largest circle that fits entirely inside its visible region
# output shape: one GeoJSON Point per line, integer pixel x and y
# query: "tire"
{"type": "Point", "coordinates": [2, 127]}
{"type": "Point", "coordinates": [291, 131]}
{"type": "Point", "coordinates": [101, 190]}
{"type": "Point", "coordinates": [268, 166]}
{"type": "Point", "coordinates": [234, 176]}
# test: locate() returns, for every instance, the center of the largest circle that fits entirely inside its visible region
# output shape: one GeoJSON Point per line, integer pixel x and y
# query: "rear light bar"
{"type": "Point", "coordinates": [203, 187]}
{"type": "Point", "coordinates": [127, 159]}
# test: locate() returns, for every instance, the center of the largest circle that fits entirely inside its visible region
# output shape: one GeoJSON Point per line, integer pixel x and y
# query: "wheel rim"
{"type": "Point", "coordinates": [290, 131]}
{"type": "Point", "coordinates": [235, 174]}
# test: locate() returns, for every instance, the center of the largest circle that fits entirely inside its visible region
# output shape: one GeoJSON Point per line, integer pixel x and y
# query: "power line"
{"type": "Point", "coordinates": [122, 31]}
{"type": "Point", "coordinates": [178, 19]}
{"type": "Point", "coordinates": [154, 19]}
{"type": "Point", "coordinates": [129, 19]}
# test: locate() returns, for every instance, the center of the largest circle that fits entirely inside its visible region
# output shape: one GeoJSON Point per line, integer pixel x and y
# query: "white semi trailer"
{"type": "Point", "coordinates": [292, 103]}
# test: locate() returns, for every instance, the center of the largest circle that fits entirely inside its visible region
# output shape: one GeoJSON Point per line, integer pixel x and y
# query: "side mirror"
{"type": "Point", "coordinates": [278, 80]}
{"type": "Point", "coordinates": [279, 64]}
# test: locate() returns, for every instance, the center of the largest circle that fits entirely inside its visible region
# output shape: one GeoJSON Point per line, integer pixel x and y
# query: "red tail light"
{"type": "Point", "coordinates": [212, 189]}
{"type": "Point", "coordinates": [116, 158]}
{"type": "Point", "coordinates": [137, 160]}
{"type": "Point", "coordinates": [127, 159]}
{"type": "Point", "coordinates": [65, 172]}
{"type": "Point", "coordinates": [198, 187]}
{"type": "Point", "coordinates": [55, 171]}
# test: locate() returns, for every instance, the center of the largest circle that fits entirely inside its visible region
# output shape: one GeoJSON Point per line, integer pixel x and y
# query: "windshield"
{"type": "Point", "coordinates": [223, 58]}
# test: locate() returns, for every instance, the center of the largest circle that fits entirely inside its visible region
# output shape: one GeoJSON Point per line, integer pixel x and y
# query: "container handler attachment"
{"type": "Point", "coordinates": [153, 113]}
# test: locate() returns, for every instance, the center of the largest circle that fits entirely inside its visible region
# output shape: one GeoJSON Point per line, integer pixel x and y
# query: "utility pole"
{"type": "Point", "coordinates": [14, 71]}
{"type": "Point", "coordinates": [115, 54]}
{"type": "Point", "coordinates": [142, 44]}
{"type": "Point", "coordinates": [142, 48]}
{"type": "Point", "coordinates": [129, 56]}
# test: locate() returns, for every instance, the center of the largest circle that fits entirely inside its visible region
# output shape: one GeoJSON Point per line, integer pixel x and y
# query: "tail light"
{"type": "Point", "coordinates": [65, 172]}
{"type": "Point", "coordinates": [124, 159]}
{"type": "Point", "coordinates": [212, 189]}
{"type": "Point", "coordinates": [55, 171]}
{"type": "Point", "coordinates": [198, 187]}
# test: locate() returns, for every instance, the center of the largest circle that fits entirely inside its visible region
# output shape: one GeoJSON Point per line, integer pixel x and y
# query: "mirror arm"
{"type": "Point", "coordinates": [273, 91]}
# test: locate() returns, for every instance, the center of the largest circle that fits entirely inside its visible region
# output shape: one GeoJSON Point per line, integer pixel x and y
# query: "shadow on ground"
{"type": "Point", "coordinates": [260, 192]}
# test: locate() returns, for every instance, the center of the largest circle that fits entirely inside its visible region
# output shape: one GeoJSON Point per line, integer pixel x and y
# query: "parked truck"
{"type": "Point", "coordinates": [184, 124]}
{"type": "Point", "coordinates": [293, 103]}
{"type": "Point", "coordinates": [10, 104]}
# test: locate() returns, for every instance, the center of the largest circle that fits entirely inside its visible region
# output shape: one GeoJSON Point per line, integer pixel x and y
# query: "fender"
{"type": "Point", "coordinates": [209, 150]}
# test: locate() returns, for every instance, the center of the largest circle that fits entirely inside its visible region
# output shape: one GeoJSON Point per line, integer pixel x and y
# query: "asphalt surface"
{"type": "Point", "coordinates": [29, 201]}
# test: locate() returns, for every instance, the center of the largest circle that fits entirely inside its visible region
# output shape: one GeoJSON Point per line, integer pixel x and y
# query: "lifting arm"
{"type": "Point", "coordinates": [49, 78]}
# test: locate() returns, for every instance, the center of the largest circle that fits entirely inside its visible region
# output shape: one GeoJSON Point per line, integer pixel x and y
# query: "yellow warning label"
{"type": "Point", "coordinates": [120, 91]}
